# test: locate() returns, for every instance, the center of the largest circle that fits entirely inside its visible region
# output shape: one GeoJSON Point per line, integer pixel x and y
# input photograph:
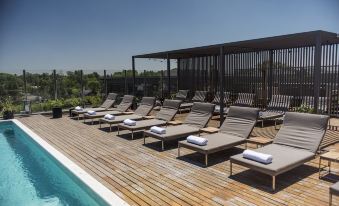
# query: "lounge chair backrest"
{"type": "Point", "coordinates": [245, 100]}
{"type": "Point", "coordinates": [240, 121]}
{"type": "Point", "coordinates": [181, 95]}
{"type": "Point", "coordinates": [302, 131]}
{"type": "Point", "coordinates": [125, 103]}
{"type": "Point", "coordinates": [110, 100]}
{"type": "Point", "coordinates": [146, 106]}
{"type": "Point", "coordinates": [279, 103]}
{"type": "Point", "coordinates": [200, 114]}
{"type": "Point", "coordinates": [168, 110]}
{"type": "Point", "coordinates": [216, 99]}
{"type": "Point", "coordinates": [199, 96]}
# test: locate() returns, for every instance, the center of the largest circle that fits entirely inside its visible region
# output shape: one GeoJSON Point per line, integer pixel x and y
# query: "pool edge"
{"type": "Point", "coordinates": [102, 191]}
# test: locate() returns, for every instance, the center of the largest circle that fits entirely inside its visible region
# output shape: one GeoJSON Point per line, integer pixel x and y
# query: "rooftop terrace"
{"type": "Point", "coordinates": [144, 175]}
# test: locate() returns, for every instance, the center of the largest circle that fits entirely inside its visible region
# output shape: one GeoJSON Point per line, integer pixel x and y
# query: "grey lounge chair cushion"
{"type": "Point", "coordinates": [199, 96]}
{"type": "Point", "coordinates": [101, 114]}
{"type": "Point", "coordinates": [303, 131]}
{"type": "Point", "coordinates": [245, 100]}
{"type": "Point", "coordinates": [125, 103]}
{"type": "Point", "coordinates": [216, 99]}
{"type": "Point", "coordinates": [181, 95]}
{"type": "Point", "coordinates": [216, 142]}
{"type": "Point", "coordinates": [146, 106]}
{"type": "Point", "coordinates": [200, 114]}
{"type": "Point", "coordinates": [284, 158]}
{"type": "Point", "coordinates": [174, 132]}
{"type": "Point", "coordinates": [119, 119]}
{"type": "Point", "coordinates": [143, 124]}
{"type": "Point", "coordinates": [240, 121]}
{"type": "Point", "coordinates": [186, 105]}
{"type": "Point", "coordinates": [334, 189]}
{"type": "Point", "coordinates": [168, 110]}
{"type": "Point", "coordinates": [279, 103]}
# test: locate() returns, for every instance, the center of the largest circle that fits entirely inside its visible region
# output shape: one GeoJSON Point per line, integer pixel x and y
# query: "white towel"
{"type": "Point", "coordinates": [130, 122]}
{"type": "Point", "coordinates": [197, 140]}
{"type": "Point", "coordinates": [158, 130]}
{"type": "Point", "coordinates": [109, 116]}
{"type": "Point", "coordinates": [257, 156]}
{"type": "Point", "coordinates": [217, 108]}
{"type": "Point", "coordinates": [91, 112]}
{"type": "Point", "coordinates": [78, 108]}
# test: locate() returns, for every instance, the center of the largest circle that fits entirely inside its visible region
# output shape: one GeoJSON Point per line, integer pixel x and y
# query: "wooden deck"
{"type": "Point", "coordinates": [143, 175]}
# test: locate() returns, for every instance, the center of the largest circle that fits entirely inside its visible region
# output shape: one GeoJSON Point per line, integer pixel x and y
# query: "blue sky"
{"type": "Point", "coordinates": [41, 35]}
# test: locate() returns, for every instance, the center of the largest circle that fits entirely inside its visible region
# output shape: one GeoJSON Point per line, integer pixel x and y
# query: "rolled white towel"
{"type": "Point", "coordinates": [257, 156]}
{"type": "Point", "coordinates": [130, 122]}
{"type": "Point", "coordinates": [217, 108]}
{"type": "Point", "coordinates": [91, 112]}
{"type": "Point", "coordinates": [109, 116]}
{"type": "Point", "coordinates": [197, 140]}
{"type": "Point", "coordinates": [78, 108]}
{"type": "Point", "coordinates": [158, 130]}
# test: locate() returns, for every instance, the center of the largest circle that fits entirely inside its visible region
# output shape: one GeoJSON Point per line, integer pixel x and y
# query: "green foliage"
{"type": "Point", "coordinates": [56, 103]}
{"type": "Point", "coordinates": [7, 105]}
{"type": "Point", "coordinates": [72, 102]}
{"type": "Point", "coordinates": [95, 101]}
{"type": "Point", "coordinates": [305, 109]}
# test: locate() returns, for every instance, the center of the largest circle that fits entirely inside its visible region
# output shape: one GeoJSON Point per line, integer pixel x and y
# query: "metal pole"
{"type": "Point", "coordinates": [55, 85]}
{"type": "Point", "coordinates": [126, 89]}
{"type": "Point", "coordinates": [317, 71]}
{"type": "Point", "coordinates": [169, 75]}
{"type": "Point", "coordinates": [270, 76]}
{"type": "Point", "coordinates": [25, 83]}
{"type": "Point", "coordinates": [105, 83]}
{"type": "Point", "coordinates": [145, 87]}
{"type": "Point", "coordinates": [82, 88]}
{"type": "Point", "coordinates": [133, 71]}
{"type": "Point", "coordinates": [222, 83]}
{"type": "Point", "coordinates": [162, 83]}
{"type": "Point", "coordinates": [178, 74]}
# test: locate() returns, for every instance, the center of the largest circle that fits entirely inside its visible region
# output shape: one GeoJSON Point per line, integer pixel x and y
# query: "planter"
{"type": "Point", "coordinates": [57, 112]}
{"type": "Point", "coordinates": [8, 115]}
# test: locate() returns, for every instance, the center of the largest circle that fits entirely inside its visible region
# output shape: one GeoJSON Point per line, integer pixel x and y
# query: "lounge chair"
{"type": "Point", "coordinates": [166, 114]}
{"type": "Point", "coordinates": [216, 101]}
{"type": "Point", "coordinates": [234, 131]}
{"type": "Point", "coordinates": [334, 190]}
{"type": "Point", "coordinates": [124, 105]}
{"type": "Point", "coordinates": [109, 102]}
{"type": "Point", "coordinates": [296, 143]}
{"type": "Point", "coordinates": [277, 108]}
{"type": "Point", "coordinates": [181, 95]}
{"type": "Point", "coordinates": [198, 118]}
{"type": "Point", "coordinates": [145, 107]}
{"type": "Point", "coordinates": [244, 100]}
{"type": "Point", "coordinates": [199, 96]}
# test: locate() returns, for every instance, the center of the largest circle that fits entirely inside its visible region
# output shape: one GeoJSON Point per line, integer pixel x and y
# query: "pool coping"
{"type": "Point", "coordinates": [98, 188]}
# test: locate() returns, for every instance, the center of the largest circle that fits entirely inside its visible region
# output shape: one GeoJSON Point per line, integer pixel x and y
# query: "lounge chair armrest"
{"type": "Point", "coordinates": [210, 130]}
{"type": "Point", "coordinates": [149, 117]}
{"type": "Point", "coordinates": [174, 122]}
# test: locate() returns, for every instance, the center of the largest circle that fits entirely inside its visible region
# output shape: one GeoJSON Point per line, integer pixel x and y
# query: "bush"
{"type": "Point", "coordinates": [72, 102]}
{"type": "Point", "coordinates": [95, 101]}
{"type": "Point", "coordinates": [305, 109]}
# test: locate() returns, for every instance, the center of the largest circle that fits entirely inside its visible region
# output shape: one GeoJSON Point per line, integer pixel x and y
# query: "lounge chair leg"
{"type": "Point", "coordinates": [162, 145]}
{"type": "Point", "coordinates": [230, 168]}
{"type": "Point", "coordinates": [262, 124]}
{"type": "Point", "coordinates": [118, 130]}
{"type": "Point", "coordinates": [273, 183]}
{"type": "Point", "coordinates": [319, 166]}
{"type": "Point", "coordinates": [132, 134]}
{"type": "Point", "coordinates": [330, 200]}
{"type": "Point", "coordinates": [110, 127]}
{"type": "Point", "coordinates": [206, 160]}
{"type": "Point", "coordinates": [144, 138]}
{"type": "Point", "coordinates": [178, 150]}
{"type": "Point", "coordinates": [92, 121]}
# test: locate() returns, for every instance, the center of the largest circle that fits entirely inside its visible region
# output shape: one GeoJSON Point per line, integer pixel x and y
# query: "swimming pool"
{"type": "Point", "coordinates": [33, 173]}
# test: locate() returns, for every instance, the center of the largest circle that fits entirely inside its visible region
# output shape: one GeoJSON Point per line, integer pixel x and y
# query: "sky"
{"type": "Point", "coordinates": [93, 35]}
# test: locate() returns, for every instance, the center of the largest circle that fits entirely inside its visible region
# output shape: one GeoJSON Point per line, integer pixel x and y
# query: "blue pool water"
{"type": "Point", "coordinates": [31, 176]}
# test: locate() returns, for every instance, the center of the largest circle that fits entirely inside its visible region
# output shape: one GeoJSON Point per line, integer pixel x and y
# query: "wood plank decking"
{"type": "Point", "coordinates": [144, 175]}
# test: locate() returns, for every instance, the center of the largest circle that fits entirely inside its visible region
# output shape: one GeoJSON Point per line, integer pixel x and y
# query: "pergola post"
{"type": "Point", "coordinates": [317, 71]}
{"type": "Point", "coordinates": [270, 75]}
{"type": "Point", "coordinates": [162, 84]}
{"type": "Point", "coordinates": [105, 83]}
{"type": "Point", "coordinates": [82, 87]}
{"type": "Point", "coordinates": [222, 83]}
{"type": "Point", "coordinates": [169, 75]}
{"type": "Point", "coordinates": [133, 71]}
{"type": "Point", "coordinates": [125, 75]}
{"type": "Point", "coordinates": [145, 84]}
{"type": "Point", "coordinates": [25, 83]}
{"type": "Point", "coordinates": [178, 74]}
{"type": "Point", "coordinates": [55, 84]}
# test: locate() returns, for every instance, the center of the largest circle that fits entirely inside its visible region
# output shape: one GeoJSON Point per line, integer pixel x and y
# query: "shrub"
{"type": "Point", "coordinates": [305, 109]}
